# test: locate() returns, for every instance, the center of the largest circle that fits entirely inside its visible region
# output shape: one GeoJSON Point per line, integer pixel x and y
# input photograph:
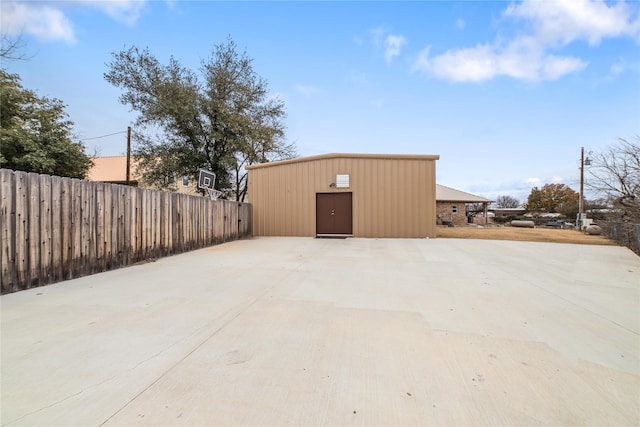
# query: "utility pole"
{"type": "Point", "coordinates": [583, 162]}
{"type": "Point", "coordinates": [581, 199]}
{"type": "Point", "coordinates": [128, 178]}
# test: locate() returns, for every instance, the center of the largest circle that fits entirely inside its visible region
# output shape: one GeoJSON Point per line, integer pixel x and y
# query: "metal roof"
{"type": "Point", "coordinates": [347, 156]}
{"type": "Point", "coordinates": [448, 194]}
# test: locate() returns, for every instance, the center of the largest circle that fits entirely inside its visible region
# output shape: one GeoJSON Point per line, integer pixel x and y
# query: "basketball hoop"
{"type": "Point", "coordinates": [213, 193]}
{"type": "Point", "coordinates": [206, 181]}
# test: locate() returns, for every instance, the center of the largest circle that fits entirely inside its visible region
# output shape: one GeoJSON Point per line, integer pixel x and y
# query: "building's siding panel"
{"type": "Point", "coordinates": [391, 197]}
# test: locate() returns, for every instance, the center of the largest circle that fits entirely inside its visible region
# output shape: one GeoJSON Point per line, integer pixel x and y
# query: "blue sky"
{"type": "Point", "coordinates": [505, 92]}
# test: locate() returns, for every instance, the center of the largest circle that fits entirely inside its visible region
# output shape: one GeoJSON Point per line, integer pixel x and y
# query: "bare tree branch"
{"type": "Point", "coordinates": [615, 174]}
{"type": "Point", "coordinates": [507, 202]}
{"type": "Point", "coordinates": [11, 48]}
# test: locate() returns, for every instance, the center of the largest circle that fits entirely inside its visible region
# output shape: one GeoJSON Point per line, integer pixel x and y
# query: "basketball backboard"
{"type": "Point", "coordinates": [206, 179]}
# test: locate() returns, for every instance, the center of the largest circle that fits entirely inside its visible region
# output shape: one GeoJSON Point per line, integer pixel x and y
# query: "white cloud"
{"type": "Point", "coordinates": [307, 90]}
{"type": "Point", "coordinates": [552, 25]}
{"type": "Point", "coordinates": [616, 69]}
{"type": "Point", "coordinates": [422, 62]}
{"type": "Point", "coordinates": [392, 46]}
{"type": "Point", "coordinates": [125, 11]}
{"type": "Point", "coordinates": [475, 64]}
{"type": "Point", "coordinates": [564, 21]}
{"type": "Point", "coordinates": [533, 181]}
{"type": "Point", "coordinates": [554, 67]}
{"type": "Point", "coordinates": [485, 62]}
{"type": "Point", "coordinates": [37, 19]}
{"type": "Point", "coordinates": [47, 20]}
{"type": "Point", "coordinates": [172, 4]}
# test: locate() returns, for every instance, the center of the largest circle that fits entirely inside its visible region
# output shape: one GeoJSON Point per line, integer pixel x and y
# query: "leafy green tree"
{"type": "Point", "coordinates": [534, 201]}
{"type": "Point", "coordinates": [553, 198]}
{"type": "Point", "coordinates": [220, 119]}
{"type": "Point", "coordinates": [36, 133]}
{"type": "Point", "coordinates": [267, 144]}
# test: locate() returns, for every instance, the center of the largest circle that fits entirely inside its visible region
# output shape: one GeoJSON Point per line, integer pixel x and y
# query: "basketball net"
{"type": "Point", "coordinates": [213, 193]}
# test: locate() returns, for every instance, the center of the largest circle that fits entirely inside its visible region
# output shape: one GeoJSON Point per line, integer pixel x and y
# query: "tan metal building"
{"type": "Point", "coordinates": [360, 195]}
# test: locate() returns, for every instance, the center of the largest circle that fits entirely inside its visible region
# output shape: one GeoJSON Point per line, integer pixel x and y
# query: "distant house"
{"type": "Point", "coordinates": [113, 169]}
{"type": "Point", "coordinates": [451, 206]}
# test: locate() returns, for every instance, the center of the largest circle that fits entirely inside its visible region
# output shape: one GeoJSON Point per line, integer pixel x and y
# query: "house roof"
{"type": "Point", "coordinates": [348, 156]}
{"type": "Point", "coordinates": [448, 194]}
{"type": "Point", "coordinates": [111, 169]}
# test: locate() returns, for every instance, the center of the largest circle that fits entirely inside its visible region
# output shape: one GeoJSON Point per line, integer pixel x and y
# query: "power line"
{"type": "Point", "coordinates": [104, 136]}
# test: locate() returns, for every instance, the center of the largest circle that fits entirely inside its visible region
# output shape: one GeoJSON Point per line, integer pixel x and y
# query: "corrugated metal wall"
{"type": "Point", "coordinates": [393, 195]}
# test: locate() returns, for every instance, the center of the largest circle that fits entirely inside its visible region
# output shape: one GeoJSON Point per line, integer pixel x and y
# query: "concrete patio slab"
{"type": "Point", "coordinates": [300, 331]}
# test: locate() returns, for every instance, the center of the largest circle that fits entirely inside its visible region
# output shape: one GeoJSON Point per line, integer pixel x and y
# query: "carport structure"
{"type": "Point", "coordinates": [302, 331]}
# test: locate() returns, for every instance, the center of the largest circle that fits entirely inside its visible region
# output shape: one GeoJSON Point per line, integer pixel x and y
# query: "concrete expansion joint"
{"type": "Point", "coordinates": [215, 332]}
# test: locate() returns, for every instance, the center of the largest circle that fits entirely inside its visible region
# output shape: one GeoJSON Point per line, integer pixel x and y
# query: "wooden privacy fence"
{"type": "Point", "coordinates": [57, 228]}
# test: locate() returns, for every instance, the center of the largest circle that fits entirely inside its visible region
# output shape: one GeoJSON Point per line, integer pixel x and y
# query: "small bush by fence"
{"type": "Point", "coordinates": [626, 233]}
{"type": "Point", "coordinates": [57, 228]}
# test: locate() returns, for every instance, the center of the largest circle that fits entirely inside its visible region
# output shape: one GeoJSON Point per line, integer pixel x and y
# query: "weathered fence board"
{"type": "Point", "coordinates": [45, 230]}
{"type": "Point", "coordinates": [75, 218]}
{"type": "Point", "coordinates": [56, 228]}
{"type": "Point", "coordinates": [33, 236]}
{"type": "Point", "coordinates": [21, 241]}
{"type": "Point", "coordinates": [66, 203]}
{"type": "Point", "coordinates": [106, 232]}
{"type": "Point", "coordinates": [8, 224]}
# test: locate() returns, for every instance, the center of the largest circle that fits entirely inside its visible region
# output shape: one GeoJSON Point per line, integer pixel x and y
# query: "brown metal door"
{"type": "Point", "coordinates": [333, 214]}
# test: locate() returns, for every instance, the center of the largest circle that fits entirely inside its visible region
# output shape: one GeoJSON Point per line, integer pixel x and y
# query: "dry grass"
{"type": "Point", "coordinates": [523, 234]}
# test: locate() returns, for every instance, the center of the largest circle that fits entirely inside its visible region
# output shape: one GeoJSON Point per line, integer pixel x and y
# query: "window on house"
{"type": "Point", "coordinates": [185, 181]}
{"type": "Point", "coordinates": [171, 179]}
{"type": "Point", "coordinates": [454, 208]}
